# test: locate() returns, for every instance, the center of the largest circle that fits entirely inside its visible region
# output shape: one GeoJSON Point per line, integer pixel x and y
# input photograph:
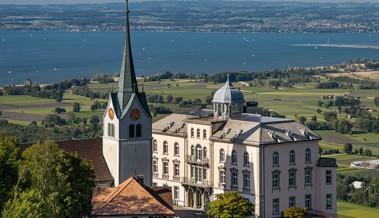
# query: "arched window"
{"type": "Point", "coordinates": [138, 130]}
{"type": "Point", "coordinates": [109, 129]}
{"type": "Point", "coordinates": [155, 146]}
{"type": "Point", "coordinates": [112, 130]}
{"type": "Point", "coordinates": [131, 131]}
{"type": "Point", "coordinates": [198, 152]}
{"type": "Point", "coordinates": [292, 157]}
{"type": "Point", "coordinates": [165, 147]}
{"type": "Point", "coordinates": [246, 159]}
{"type": "Point", "coordinates": [205, 152]}
{"type": "Point", "coordinates": [192, 132]}
{"type": "Point", "coordinates": [222, 155]}
{"type": "Point", "coordinates": [192, 150]}
{"type": "Point", "coordinates": [198, 133]}
{"type": "Point", "coordinates": [234, 157]}
{"type": "Point", "coordinates": [275, 159]}
{"type": "Point", "coordinates": [176, 149]}
{"type": "Point", "coordinates": [204, 134]}
{"type": "Point", "coordinates": [307, 155]}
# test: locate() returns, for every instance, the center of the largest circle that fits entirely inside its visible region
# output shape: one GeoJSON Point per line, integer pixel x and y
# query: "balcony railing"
{"type": "Point", "coordinates": [326, 162]}
{"type": "Point", "coordinates": [194, 160]}
{"type": "Point", "coordinates": [191, 181]}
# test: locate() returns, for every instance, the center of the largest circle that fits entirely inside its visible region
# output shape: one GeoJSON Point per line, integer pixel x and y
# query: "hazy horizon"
{"type": "Point", "coordinates": [42, 2]}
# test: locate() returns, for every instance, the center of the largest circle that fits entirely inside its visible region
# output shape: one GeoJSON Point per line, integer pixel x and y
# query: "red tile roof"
{"type": "Point", "coordinates": [90, 149]}
{"type": "Point", "coordinates": [132, 198]}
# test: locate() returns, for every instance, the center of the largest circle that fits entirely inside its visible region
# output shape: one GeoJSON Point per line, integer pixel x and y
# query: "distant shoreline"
{"type": "Point", "coordinates": [338, 46]}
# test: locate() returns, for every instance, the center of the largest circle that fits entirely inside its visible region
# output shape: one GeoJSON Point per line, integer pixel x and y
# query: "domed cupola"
{"type": "Point", "coordinates": [228, 100]}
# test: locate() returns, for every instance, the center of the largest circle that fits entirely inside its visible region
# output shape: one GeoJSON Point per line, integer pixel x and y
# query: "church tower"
{"type": "Point", "coordinates": [127, 124]}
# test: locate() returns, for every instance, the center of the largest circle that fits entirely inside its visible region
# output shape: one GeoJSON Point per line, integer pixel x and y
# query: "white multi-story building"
{"type": "Point", "coordinates": [274, 162]}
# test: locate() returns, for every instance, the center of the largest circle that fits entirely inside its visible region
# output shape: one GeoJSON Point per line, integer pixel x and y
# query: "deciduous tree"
{"type": "Point", "coordinates": [231, 205]}
{"type": "Point", "coordinates": [295, 212]}
{"type": "Point", "coordinates": [9, 159]}
{"type": "Point", "coordinates": [53, 182]}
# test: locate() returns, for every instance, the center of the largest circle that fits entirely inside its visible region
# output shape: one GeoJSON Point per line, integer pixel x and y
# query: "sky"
{"type": "Point", "coordinates": [107, 1]}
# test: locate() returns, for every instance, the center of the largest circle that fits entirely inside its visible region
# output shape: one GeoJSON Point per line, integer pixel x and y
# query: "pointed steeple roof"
{"type": "Point", "coordinates": [128, 82]}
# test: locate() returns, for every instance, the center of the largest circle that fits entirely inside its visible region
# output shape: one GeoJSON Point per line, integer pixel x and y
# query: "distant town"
{"type": "Point", "coordinates": [199, 16]}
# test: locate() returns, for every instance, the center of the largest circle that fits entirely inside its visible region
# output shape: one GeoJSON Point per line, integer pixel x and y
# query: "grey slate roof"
{"type": "Point", "coordinates": [228, 94]}
{"type": "Point", "coordinates": [249, 129]}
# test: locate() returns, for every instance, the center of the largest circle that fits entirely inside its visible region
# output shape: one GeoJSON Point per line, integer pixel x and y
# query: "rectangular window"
{"type": "Point", "coordinates": [246, 180]}
{"type": "Point", "coordinates": [292, 178]}
{"type": "Point", "coordinates": [222, 176]}
{"type": "Point", "coordinates": [176, 192]}
{"type": "Point", "coordinates": [275, 180]}
{"type": "Point", "coordinates": [176, 171]}
{"type": "Point", "coordinates": [235, 179]}
{"type": "Point", "coordinates": [328, 201]}
{"type": "Point", "coordinates": [328, 177]}
{"type": "Point", "coordinates": [308, 177]}
{"type": "Point", "coordinates": [308, 201]}
{"type": "Point", "coordinates": [275, 206]}
{"type": "Point", "coordinates": [192, 172]}
{"type": "Point", "coordinates": [198, 175]}
{"type": "Point", "coordinates": [165, 168]}
{"type": "Point", "coordinates": [155, 166]}
{"type": "Point", "coordinates": [291, 201]}
{"type": "Point", "coordinates": [204, 173]}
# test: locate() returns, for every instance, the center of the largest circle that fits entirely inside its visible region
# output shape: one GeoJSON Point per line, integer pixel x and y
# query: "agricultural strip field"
{"type": "Point", "coordinates": [347, 210]}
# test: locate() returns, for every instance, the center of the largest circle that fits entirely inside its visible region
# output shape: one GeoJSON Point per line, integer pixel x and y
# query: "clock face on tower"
{"type": "Point", "coordinates": [111, 113]}
{"type": "Point", "coordinates": [135, 114]}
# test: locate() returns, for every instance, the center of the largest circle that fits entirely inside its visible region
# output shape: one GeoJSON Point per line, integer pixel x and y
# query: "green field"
{"type": "Point", "coordinates": [347, 210]}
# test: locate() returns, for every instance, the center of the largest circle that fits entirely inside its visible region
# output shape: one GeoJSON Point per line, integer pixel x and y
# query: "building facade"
{"type": "Point", "coordinates": [274, 162]}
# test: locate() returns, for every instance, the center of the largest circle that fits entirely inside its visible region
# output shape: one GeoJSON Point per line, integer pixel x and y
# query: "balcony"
{"type": "Point", "coordinates": [326, 162]}
{"type": "Point", "coordinates": [191, 181]}
{"type": "Point", "coordinates": [193, 160]}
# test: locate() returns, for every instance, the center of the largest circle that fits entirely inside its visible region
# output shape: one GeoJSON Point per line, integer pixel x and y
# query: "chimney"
{"type": "Point", "coordinates": [140, 179]}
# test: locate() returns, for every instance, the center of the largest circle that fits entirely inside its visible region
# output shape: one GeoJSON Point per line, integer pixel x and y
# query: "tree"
{"type": "Point", "coordinates": [376, 101]}
{"type": "Point", "coordinates": [301, 119]}
{"type": "Point", "coordinates": [9, 159]}
{"type": "Point", "coordinates": [348, 148]}
{"type": "Point", "coordinates": [360, 150]}
{"type": "Point", "coordinates": [76, 107]}
{"type": "Point", "coordinates": [320, 103]}
{"type": "Point", "coordinates": [328, 116]}
{"type": "Point", "coordinates": [368, 152]}
{"type": "Point", "coordinates": [1, 113]}
{"type": "Point", "coordinates": [231, 205]}
{"type": "Point", "coordinates": [53, 182]}
{"type": "Point", "coordinates": [94, 121]}
{"type": "Point", "coordinates": [295, 212]}
{"type": "Point", "coordinates": [169, 98]}
{"type": "Point", "coordinates": [318, 110]}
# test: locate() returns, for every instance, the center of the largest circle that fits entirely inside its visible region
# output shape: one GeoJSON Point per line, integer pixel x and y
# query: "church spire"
{"type": "Point", "coordinates": [128, 82]}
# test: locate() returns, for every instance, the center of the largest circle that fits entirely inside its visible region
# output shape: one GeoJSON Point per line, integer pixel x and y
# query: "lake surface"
{"type": "Point", "coordinates": [47, 57]}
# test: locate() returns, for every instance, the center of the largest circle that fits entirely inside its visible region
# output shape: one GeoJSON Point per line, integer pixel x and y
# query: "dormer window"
{"type": "Point", "coordinates": [289, 134]}
{"type": "Point", "coordinates": [273, 135]}
{"type": "Point", "coordinates": [305, 133]}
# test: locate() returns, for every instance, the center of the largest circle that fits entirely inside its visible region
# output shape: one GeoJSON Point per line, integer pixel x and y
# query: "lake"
{"type": "Point", "coordinates": [47, 57]}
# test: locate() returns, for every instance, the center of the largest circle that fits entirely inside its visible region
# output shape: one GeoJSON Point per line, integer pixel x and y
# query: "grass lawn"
{"type": "Point", "coordinates": [356, 211]}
